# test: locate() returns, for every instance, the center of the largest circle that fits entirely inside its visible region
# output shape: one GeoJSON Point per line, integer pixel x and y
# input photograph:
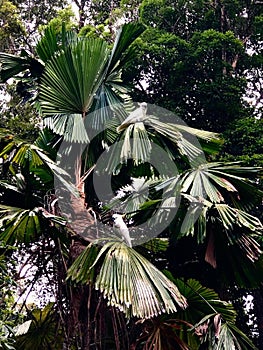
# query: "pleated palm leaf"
{"type": "Point", "coordinates": [24, 225]}
{"type": "Point", "coordinates": [222, 197]}
{"type": "Point", "coordinates": [227, 182]}
{"type": "Point", "coordinates": [214, 200]}
{"type": "Point", "coordinates": [27, 179]}
{"type": "Point", "coordinates": [85, 76]}
{"type": "Point", "coordinates": [40, 332]}
{"type": "Point", "coordinates": [50, 43]}
{"type": "Point", "coordinates": [77, 75]}
{"type": "Point", "coordinates": [137, 138]}
{"type": "Point", "coordinates": [35, 163]}
{"type": "Point", "coordinates": [207, 320]}
{"type": "Point", "coordinates": [12, 65]}
{"type": "Point", "coordinates": [128, 280]}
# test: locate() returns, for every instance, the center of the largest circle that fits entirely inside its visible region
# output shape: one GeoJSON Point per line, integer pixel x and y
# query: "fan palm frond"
{"type": "Point", "coordinates": [33, 158]}
{"type": "Point", "coordinates": [219, 318]}
{"type": "Point", "coordinates": [24, 225]}
{"type": "Point", "coordinates": [233, 216]}
{"type": "Point", "coordinates": [125, 37]}
{"type": "Point", "coordinates": [230, 335]}
{"type": "Point", "coordinates": [177, 133]}
{"type": "Point", "coordinates": [12, 65]}
{"type": "Point", "coordinates": [86, 76]}
{"type": "Point", "coordinates": [220, 335]}
{"type": "Point", "coordinates": [71, 127]}
{"type": "Point", "coordinates": [41, 332]}
{"type": "Point", "coordinates": [204, 305]}
{"type": "Point", "coordinates": [136, 144]}
{"type": "Point", "coordinates": [48, 44]}
{"type": "Point", "coordinates": [128, 280]}
{"type": "Point", "coordinates": [203, 300]}
{"type": "Point", "coordinates": [235, 178]}
{"type": "Point", "coordinates": [19, 225]}
{"type": "Point", "coordinates": [214, 181]}
{"type": "Point", "coordinates": [72, 78]}
{"type": "Point", "coordinates": [52, 42]}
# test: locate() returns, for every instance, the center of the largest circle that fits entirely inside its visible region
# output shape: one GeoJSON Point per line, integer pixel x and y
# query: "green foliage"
{"type": "Point", "coordinates": [19, 118]}
{"type": "Point", "coordinates": [11, 27]}
{"type": "Point", "coordinates": [95, 31]}
{"type": "Point", "coordinates": [40, 331]}
{"type": "Point", "coordinates": [193, 59]}
{"type": "Point", "coordinates": [36, 14]}
{"type": "Point", "coordinates": [190, 77]}
{"type": "Point", "coordinates": [243, 141]}
{"type": "Point", "coordinates": [78, 75]}
{"type": "Point", "coordinates": [64, 16]}
{"type": "Point", "coordinates": [7, 294]}
{"type": "Point", "coordinates": [135, 286]}
{"type": "Point", "coordinates": [74, 70]}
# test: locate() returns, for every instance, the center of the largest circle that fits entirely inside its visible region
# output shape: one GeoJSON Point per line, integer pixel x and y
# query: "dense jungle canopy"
{"type": "Point", "coordinates": [183, 170]}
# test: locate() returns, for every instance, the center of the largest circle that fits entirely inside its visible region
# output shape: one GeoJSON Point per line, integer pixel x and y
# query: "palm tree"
{"type": "Point", "coordinates": [102, 286]}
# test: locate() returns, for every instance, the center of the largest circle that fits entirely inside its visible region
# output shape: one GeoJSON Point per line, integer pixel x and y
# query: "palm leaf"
{"type": "Point", "coordinates": [24, 225]}
{"type": "Point", "coordinates": [210, 180]}
{"type": "Point", "coordinates": [124, 38]}
{"type": "Point", "coordinates": [233, 216]}
{"type": "Point", "coordinates": [12, 65]}
{"type": "Point", "coordinates": [48, 142]}
{"type": "Point", "coordinates": [72, 78]}
{"type": "Point", "coordinates": [202, 301]}
{"type": "Point", "coordinates": [222, 335]}
{"type": "Point", "coordinates": [129, 281]}
{"type": "Point", "coordinates": [48, 44]}
{"type": "Point", "coordinates": [195, 211]}
{"type": "Point", "coordinates": [230, 331]}
{"type": "Point", "coordinates": [112, 93]}
{"type": "Point", "coordinates": [235, 178]}
{"type": "Point", "coordinates": [33, 159]}
{"type": "Point", "coordinates": [136, 144]}
{"type": "Point", "coordinates": [71, 127]}
{"type": "Point", "coordinates": [42, 332]}
{"type": "Point", "coordinates": [186, 147]}
{"type": "Point", "coordinates": [202, 134]}
{"type": "Point", "coordinates": [85, 76]}
{"type": "Point", "coordinates": [203, 304]}
{"type": "Point", "coordinates": [130, 197]}
{"type": "Point", "coordinates": [51, 42]}
{"type": "Point", "coordinates": [19, 225]}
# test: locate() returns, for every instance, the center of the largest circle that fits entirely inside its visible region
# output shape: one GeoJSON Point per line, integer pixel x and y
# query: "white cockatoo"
{"type": "Point", "coordinates": [122, 228]}
{"type": "Point", "coordinates": [136, 116]}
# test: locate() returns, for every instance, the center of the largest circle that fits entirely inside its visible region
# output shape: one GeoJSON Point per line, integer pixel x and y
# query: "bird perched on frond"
{"type": "Point", "coordinates": [139, 115]}
{"type": "Point", "coordinates": [122, 228]}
